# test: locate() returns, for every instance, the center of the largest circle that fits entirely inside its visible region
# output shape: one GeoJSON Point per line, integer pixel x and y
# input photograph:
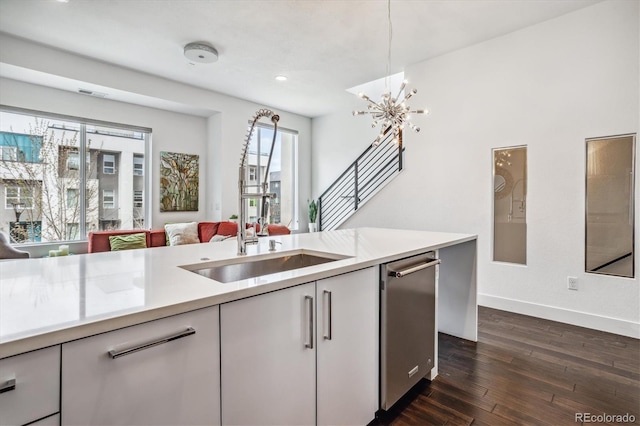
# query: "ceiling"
{"type": "Point", "coordinates": [323, 46]}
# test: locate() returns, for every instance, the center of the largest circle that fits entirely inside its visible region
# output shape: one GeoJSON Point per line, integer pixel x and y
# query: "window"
{"type": "Point", "coordinates": [283, 172]}
{"type": "Point", "coordinates": [108, 199]}
{"type": "Point", "coordinates": [66, 197]}
{"type": "Point", "coordinates": [138, 166]}
{"type": "Point", "coordinates": [20, 147]}
{"type": "Point", "coordinates": [108, 164]}
{"type": "Point", "coordinates": [137, 199]}
{"type": "Point", "coordinates": [72, 198]}
{"type": "Point", "coordinates": [73, 160]}
{"type": "Point", "coordinates": [15, 194]}
{"type": "Point", "coordinates": [8, 153]}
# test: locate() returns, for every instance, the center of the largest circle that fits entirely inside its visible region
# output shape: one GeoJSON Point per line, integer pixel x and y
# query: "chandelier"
{"type": "Point", "coordinates": [390, 113]}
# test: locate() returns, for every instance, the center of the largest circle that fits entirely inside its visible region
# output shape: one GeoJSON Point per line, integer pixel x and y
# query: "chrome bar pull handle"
{"type": "Point", "coordinates": [310, 305]}
{"type": "Point", "coordinates": [9, 385]}
{"type": "Point", "coordinates": [117, 354]}
{"type": "Point", "coordinates": [329, 306]}
{"type": "Point", "coordinates": [412, 269]}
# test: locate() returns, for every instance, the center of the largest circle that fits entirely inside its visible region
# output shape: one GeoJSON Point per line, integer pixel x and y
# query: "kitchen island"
{"type": "Point", "coordinates": [62, 302]}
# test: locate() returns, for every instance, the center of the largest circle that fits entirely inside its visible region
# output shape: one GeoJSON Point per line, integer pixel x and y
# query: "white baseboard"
{"type": "Point", "coordinates": [553, 313]}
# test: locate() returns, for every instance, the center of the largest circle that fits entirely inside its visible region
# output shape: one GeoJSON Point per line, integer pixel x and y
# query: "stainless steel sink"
{"type": "Point", "coordinates": [250, 268]}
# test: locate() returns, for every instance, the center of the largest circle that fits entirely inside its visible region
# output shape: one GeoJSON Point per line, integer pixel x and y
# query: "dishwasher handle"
{"type": "Point", "coordinates": [412, 269]}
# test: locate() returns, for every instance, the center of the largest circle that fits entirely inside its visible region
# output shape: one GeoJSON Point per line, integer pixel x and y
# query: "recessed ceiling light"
{"type": "Point", "coordinates": [62, 1]}
{"type": "Point", "coordinates": [281, 78]}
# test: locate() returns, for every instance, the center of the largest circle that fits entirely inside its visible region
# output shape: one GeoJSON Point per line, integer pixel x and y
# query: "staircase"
{"type": "Point", "coordinates": [371, 171]}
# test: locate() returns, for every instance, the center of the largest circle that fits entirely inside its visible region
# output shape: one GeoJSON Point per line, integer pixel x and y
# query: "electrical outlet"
{"type": "Point", "coordinates": [572, 283]}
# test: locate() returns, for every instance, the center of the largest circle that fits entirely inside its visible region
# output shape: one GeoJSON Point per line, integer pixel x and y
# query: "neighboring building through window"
{"type": "Point", "coordinates": [40, 168]}
{"type": "Point", "coordinates": [283, 173]}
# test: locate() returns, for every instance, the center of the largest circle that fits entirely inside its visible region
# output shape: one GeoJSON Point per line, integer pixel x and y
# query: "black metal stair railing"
{"type": "Point", "coordinates": [359, 182]}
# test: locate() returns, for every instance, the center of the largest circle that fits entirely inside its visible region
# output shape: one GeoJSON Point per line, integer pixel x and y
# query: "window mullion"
{"type": "Point", "coordinates": [259, 158]}
{"type": "Point", "coordinates": [82, 190]}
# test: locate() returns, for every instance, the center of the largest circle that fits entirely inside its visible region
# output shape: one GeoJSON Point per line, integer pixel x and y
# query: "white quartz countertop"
{"type": "Point", "coordinates": [49, 301]}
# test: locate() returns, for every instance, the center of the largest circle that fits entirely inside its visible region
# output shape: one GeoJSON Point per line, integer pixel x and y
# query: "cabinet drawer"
{"type": "Point", "coordinates": [37, 386]}
{"type": "Point", "coordinates": [127, 377]}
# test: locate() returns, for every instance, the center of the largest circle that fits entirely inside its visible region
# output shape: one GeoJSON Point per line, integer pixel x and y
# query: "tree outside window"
{"type": "Point", "coordinates": [40, 167]}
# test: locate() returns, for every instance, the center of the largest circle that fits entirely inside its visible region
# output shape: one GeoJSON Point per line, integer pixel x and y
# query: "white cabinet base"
{"type": "Point", "coordinates": [175, 383]}
{"type": "Point", "coordinates": [348, 355]}
{"type": "Point", "coordinates": [268, 374]}
{"type": "Point", "coordinates": [37, 386]}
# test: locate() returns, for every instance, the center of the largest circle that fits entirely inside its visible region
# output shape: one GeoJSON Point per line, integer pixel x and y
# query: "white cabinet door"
{"type": "Point", "coordinates": [29, 386]}
{"type": "Point", "coordinates": [348, 348]}
{"type": "Point", "coordinates": [175, 383]}
{"type": "Point", "coordinates": [268, 364]}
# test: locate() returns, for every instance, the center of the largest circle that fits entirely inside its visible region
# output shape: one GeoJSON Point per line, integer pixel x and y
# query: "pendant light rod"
{"type": "Point", "coordinates": [389, 113]}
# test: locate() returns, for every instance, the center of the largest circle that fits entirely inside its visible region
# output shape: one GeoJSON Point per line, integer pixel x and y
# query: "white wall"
{"type": "Point", "coordinates": [217, 134]}
{"type": "Point", "coordinates": [549, 87]}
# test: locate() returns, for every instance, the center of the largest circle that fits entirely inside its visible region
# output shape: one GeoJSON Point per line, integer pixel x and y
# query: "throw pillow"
{"type": "Point", "coordinates": [217, 238]}
{"type": "Point", "coordinates": [182, 233]}
{"type": "Point", "coordinates": [128, 242]}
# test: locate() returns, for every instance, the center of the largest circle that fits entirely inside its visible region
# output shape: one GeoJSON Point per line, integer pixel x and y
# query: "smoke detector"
{"type": "Point", "coordinates": [200, 52]}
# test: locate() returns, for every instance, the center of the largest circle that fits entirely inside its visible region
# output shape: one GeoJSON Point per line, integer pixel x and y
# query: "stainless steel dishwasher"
{"type": "Point", "coordinates": [407, 324]}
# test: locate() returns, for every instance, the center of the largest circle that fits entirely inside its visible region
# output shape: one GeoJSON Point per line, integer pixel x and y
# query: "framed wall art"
{"type": "Point", "coordinates": [179, 179]}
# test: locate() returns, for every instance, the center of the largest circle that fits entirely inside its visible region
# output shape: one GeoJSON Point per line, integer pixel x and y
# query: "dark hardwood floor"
{"type": "Point", "coordinates": [525, 370]}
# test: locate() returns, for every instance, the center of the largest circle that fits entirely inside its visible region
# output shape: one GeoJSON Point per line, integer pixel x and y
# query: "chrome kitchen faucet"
{"type": "Point", "coordinates": [262, 195]}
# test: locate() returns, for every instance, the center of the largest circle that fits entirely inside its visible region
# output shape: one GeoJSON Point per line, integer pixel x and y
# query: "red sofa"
{"type": "Point", "coordinates": [99, 241]}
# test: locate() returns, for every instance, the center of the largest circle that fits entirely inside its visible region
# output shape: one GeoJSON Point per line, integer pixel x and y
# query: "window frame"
{"type": "Point", "coordinates": [143, 134]}
{"type": "Point", "coordinates": [295, 160]}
